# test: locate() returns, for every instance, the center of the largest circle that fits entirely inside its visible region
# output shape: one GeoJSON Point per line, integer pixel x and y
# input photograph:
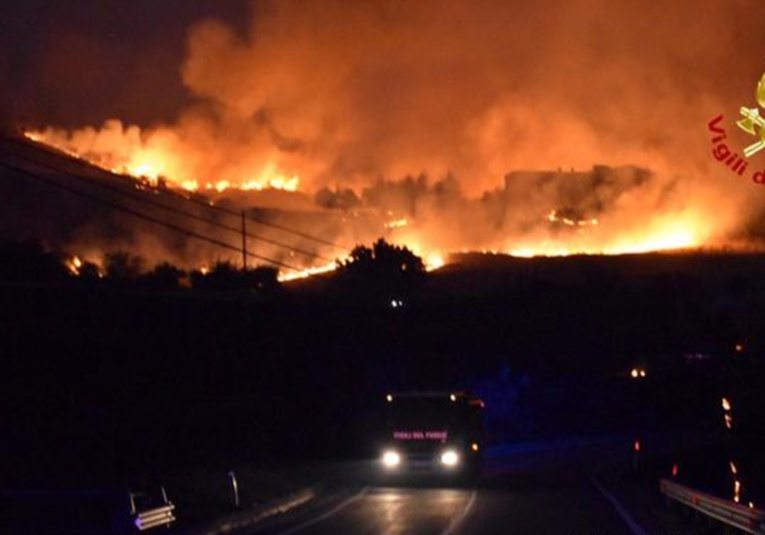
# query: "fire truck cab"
{"type": "Point", "coordinates": [440, 433]}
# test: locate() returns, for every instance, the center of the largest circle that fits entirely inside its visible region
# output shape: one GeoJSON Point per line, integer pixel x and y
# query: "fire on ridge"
{"type": "Point", "coordinates": [540, 213]}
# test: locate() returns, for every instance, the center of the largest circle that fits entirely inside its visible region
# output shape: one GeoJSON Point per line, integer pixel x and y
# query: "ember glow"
{"type": "Point", "coordinates": [73, 264]}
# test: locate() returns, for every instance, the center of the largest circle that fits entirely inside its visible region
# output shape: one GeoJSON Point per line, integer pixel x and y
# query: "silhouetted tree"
{"type": "Point", "coordinates": [263, 278]}
{"type": "Point", "coordinates": [223, 276]}
{"type": "Point", "coordinates": [164, 276]}
{"type": "Point", "coordinates": [226, 276]}
{"type": "Point", "coordinates": [31, 261]}
{"type": "Point", "coordinates": [90, 271]}
{"type": "Point", "coordinates": [338, 199]}
{"type": "Point", "coordinates": [383, 268]}
{"type": "Point", "coordinates": [397, 196]}
{"type": "Point", "coordinates": [383, 260]}
{"type": "Point", "coordinates": [123, 267]}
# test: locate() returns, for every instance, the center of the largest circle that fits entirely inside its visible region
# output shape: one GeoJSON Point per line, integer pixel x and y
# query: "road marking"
{"type": "Point", "coordinates": [456, 521]}
{"type": "Point", "coordinates": [632, 524]}
{"type": "Point", "coordinates": [336, 509]}
{"type": "Point", "coordinates": [239, 522]}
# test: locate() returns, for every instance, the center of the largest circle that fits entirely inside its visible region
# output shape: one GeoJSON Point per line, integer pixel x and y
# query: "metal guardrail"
{"type": "Point", "coordinates": [153, 517]}
{"type": "Point", "coordinates": [739, 516]}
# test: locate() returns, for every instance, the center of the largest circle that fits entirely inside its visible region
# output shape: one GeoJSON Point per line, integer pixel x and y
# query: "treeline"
{"type": "Point", "coordinates": [33, 261]}
{"type": "Point", "coordinates": [382, 266]}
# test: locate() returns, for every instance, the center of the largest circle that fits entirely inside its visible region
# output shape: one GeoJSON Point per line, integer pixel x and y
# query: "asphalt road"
{"type": "Point", "coordinates": [564, 489]}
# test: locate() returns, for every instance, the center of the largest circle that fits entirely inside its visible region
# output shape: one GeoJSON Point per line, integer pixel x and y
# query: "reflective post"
{"type": "Point", "coordinates": [235, 486]}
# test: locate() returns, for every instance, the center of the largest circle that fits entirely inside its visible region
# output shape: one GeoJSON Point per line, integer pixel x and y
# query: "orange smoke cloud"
{"type": "Point", "coordinates": [341, 94]}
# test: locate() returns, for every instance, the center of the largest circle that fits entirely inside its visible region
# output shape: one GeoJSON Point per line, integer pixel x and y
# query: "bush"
{"type": "Point", "coordinates": [383, 268]}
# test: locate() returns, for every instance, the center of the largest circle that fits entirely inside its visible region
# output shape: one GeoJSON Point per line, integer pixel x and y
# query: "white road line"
{"type": "Point", "coordinates": [456, 521]}
{"type": "Point", "coordinates": [634, 527]}
{"type": "Point", "coordinates": [336, 509]}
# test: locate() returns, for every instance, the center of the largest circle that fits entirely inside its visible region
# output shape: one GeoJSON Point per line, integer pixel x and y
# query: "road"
{"type": "Point", "coordinates": [564, 489]}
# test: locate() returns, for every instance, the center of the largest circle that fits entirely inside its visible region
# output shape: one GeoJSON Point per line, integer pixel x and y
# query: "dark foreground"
{"type": "Point", "coordinates": [115, 388]}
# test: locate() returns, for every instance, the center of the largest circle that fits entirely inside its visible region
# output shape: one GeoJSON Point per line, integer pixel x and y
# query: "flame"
{"type": "Point", "coordinates": [74, 264]}
{"type": "Point", "coordinates": [189, 185]}
{"type": "Point", "coordinates": [728, 421]}
{"type": "Point", "coordinates": [309, 272]}
{"type": "Point", "coordinates": [398, 223]}
{"type": "Point", "coordinates": [148, 164]}
{"type": "Point", "coordinates": [150, 160]}
{"type": "Point", "coordinates": [156, 158]}
{"type": "Point", "coordinates": [275, 182]}
{"type": "Point", "coordinates": [666, 235]}
{"type": "Point", "coordinates": [271, 177]}
{"type": "Point", "coordinates": [727, 417]}
{"type": "Point", "coordinates": [554, 217]}
{"type": "Point", "coordinates": [434, 261]}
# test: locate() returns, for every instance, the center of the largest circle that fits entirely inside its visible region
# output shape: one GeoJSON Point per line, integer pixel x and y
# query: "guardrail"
{"type": "Point", "coordinates": [739, 516]}
{"type": "Point", "coordinates": [152, 517]}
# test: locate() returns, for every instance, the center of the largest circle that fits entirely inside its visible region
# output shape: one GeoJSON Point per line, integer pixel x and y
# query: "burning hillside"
{"type": "Point", "coordinates": [124, 151]}
{"type": "Point", "coordinates": [401, 119]}
{"type": "Point", "coordinates": [536, 213]}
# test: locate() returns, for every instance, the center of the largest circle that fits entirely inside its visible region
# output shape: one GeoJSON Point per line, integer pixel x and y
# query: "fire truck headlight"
{"type": "Point", "coordinates": [391, 459]}
{"type": "Point", "coordinates": [449, 458]}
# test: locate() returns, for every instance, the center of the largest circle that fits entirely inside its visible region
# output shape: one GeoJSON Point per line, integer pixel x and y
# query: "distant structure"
{"type": "Point", "coordinates": [579, 194]}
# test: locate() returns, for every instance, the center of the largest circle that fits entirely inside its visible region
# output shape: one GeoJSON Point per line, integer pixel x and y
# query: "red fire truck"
{"type": "Point", "coordinates": [439, 432]}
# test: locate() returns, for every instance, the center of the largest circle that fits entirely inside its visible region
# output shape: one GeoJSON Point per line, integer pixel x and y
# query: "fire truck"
{"type": "Point", "coordinates": [438, 433]}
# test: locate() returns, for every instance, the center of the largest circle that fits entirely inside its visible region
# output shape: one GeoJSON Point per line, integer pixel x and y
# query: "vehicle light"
{"type": "Point", "coordinates": [389, 398]}
{"type": "Point", "coordinates": [638, 372]}
{"type": "Point", "coordinates": [449, 458]}
{"type": "Point", "coordinates": [474, 446]}
{"type": "Point", "coordinates": [391, 459]}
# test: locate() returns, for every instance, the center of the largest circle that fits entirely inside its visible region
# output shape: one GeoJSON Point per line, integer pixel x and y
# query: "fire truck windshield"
{"type": "Point", "coordinates": [426, 412]}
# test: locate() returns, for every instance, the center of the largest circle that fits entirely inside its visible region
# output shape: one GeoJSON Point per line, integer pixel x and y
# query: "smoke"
{"type": "Point", "coordinates": [393, 88]}
{"type": "Point", "coordinates": [346, 95]}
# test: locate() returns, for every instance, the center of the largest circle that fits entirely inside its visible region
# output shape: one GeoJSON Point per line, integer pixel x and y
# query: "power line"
{"type": "Point", "coordinates": [141, 215]}
{"type": "Point", "coordinates": [261, 221]}
{"type": "Point", "coordinates": [143, 198]}
{"type": "Point", "coordinates": [232, 212]}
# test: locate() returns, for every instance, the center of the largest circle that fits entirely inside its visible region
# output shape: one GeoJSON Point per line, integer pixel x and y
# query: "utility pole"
{"type": "Point", "coordinates": [244, 242]}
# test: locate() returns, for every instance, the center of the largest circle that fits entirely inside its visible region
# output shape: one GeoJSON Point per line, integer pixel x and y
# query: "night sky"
{"type": "Point", "coordinates": [74, 63]}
